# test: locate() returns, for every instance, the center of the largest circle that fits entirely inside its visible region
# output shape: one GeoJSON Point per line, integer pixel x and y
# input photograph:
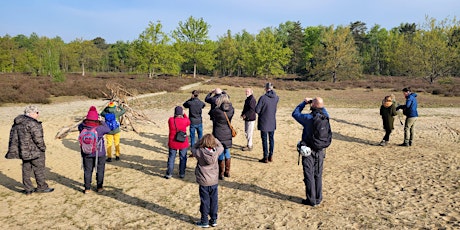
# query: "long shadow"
{"type": "Point", "coordinates": [159, 138]}
{"type": "Point", "coordinates": [10, 183]}
{"type": "Point", "coordinates": [157, 168]}
{"type": "Point", "coordinates": [351, 123]}
{"type": "Point", "coordinates": [117, 194]}
{"type": "Point", "coordinates": [243, 157]}
{"type": "Point", "coordinates": [338, 136]}
{"type": "Point", "coordinates": [139, 144]}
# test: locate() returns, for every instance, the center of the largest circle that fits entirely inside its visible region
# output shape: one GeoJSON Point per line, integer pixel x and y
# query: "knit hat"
{"type": "Point", "coordinates": [92, 114]}
{"type": "Point", "coordinates": [112, 104]}
{"type": "Point", "coordinates": [178, 111]}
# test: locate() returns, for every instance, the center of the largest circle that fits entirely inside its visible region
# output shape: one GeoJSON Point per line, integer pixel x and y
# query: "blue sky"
{"type": "Point", "coordinates": [124, 20]}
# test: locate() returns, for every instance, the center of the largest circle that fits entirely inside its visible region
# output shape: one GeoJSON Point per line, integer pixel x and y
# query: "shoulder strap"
{"type": "Point", "coordinates": [175, 124]}
{"type": "Point", "coordinates": [228, 121]}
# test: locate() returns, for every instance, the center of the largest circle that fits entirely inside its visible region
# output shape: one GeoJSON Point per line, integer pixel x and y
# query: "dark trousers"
{"type": "Point", "coordinates": [37, 168]}
{"type": "Point", "coordinates": [270, 146]}
{"type": "Point", "coordinates": [208, 202]}
{"type": "Point", "coordinates": [88, 166]}
{"type": "Point", "coordinates": [387, 135]}
{"type": "Point", "coordinates": [313, 177]}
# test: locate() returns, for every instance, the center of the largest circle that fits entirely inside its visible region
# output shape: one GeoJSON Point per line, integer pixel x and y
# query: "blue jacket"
{"type": "Point", "coordinates": [410, 108]}
{"type": "Point", "coordinates": [266, 109]}
{"type": "Point", "coordinates": [306, 119]}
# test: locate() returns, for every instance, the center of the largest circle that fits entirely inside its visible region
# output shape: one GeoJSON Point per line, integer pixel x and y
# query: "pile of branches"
{"type": "Point", "coordinates": [122, 97]}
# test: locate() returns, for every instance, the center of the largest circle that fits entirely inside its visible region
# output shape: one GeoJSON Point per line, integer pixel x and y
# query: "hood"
{"type": "Point", "coordinates": [22, 119]}
{"type": "Point", "coordinates": [226, 106]}
{"type": "Point", "coordinates": [271, 94]}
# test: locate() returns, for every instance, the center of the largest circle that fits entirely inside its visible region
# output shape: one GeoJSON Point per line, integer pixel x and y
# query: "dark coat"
{"type": "Point", "coordinates": [388, 116]}
{"type": "Point", "coordinates": [249, 109]}
{"type": "Point", "coordinates": [195, 108]}
{"type": "Point", "coordinates": [220, 128]}
{"type": "Point", "coordinates": [26, 139]}
{"type": "Point", "coordinates": [266, 109]}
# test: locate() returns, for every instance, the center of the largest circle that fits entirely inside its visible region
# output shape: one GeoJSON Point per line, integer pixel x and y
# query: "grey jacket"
{"type": "Point", "coordinates": [26, 139]}
{"type": "Point", "coordinates": [207, 169]}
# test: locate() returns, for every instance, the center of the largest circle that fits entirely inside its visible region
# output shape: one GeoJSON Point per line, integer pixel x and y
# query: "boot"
{"type": "Point", "coordinates": [221, 169]}
{"type": "Point", "coordinates": [227, 167]}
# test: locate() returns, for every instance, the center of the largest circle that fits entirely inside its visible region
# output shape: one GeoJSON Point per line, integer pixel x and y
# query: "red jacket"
{"type": "Point", "coordinates": [181, 123]}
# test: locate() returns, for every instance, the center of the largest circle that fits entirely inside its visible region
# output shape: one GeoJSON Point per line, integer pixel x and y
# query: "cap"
{"type": "Point", "coordinates": [178, 111]}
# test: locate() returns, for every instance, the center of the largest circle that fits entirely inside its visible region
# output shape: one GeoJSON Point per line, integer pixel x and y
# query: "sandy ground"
{"type": "Point", "coordinates": [365, 186]}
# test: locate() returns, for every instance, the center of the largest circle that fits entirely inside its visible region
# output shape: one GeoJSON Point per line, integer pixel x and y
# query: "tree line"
{"type": "Point", "coordinates": [323, 53]}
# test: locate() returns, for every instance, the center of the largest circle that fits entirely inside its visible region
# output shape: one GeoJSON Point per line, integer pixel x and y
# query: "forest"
{"type": "Point", "coordinates": [319, 53]}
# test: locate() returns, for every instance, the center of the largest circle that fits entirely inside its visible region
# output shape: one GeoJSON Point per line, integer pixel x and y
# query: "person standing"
{"type": "Point", "coordinates": [212, 99]}
{"type": "Point", "coordinates": [113, 138]}
{"type": "Point", "coordinates": [313, 163]}
{"type": "Point", "coordinates": [387, 111]}
{"type": "Point", "coordinates": [266, 123]}
{"type": "Point", "coordinates": [206, 152]}
{"type": "Point", "coordinates": [27, 143]}
{"type": "Point", "coordinates": [222, 116]}
{"type": "Point", "coordinates": [195, 107]}
{"type": "Point", "coordinates": [249, 116]}
{"type": "Point", "coordinates": [410, 110]}
{"type": "Point", "coordinates": [97, 159]}
{"type": "Point", "coordinates": [179, 122]}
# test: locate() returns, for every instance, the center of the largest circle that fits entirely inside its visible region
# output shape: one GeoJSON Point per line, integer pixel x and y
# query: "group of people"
{"type": "Point", "coordinates": [212, 151]}
{"type": "Point", "coordinates": [389, 109]}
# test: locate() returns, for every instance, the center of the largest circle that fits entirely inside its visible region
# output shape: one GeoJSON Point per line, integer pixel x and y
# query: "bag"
{"type": "Point", "coordinates": [230, 125]}
{"type": "Point", "coordinates": [321, 133]}
{"type": "Point", "coordinates": [111, 121]}
{"type": "Point", "coordinates": [88, 140]}
{"type": "Point", "coordinates": [303, 149]}
{"type": "Point", "coordinates": [233, 131]}
{"type": "Point", "coordinates": [180, 136]}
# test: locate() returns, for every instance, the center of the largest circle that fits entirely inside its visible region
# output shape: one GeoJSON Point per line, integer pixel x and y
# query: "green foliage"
{"type": "Point", "coordinates": [269, 54]}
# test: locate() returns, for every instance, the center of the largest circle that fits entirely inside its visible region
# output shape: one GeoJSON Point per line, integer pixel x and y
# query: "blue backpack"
{"type": "Point", "coordinates": [111, 121]}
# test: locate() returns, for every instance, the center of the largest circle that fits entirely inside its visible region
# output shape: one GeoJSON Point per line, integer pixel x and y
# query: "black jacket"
{"type": "Point", "coordinates": [249, 109]}
{"type": "Point", "coordinates": [195, 107]}
{"type": "Point", "coordinates": [220, 128]}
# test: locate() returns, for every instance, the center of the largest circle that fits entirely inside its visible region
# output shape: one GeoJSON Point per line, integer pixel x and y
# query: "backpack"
{"type": "Point", "coordinates": [88, 140]}
{"type": "Point", "coordinates": [111, 121]}
{"type": "Point", "coordinates": [321, 133]}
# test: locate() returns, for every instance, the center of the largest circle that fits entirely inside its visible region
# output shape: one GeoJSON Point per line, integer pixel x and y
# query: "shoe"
{"type": "Point", "coordinates": [306, 202]}
{"type": "Point", "coordinates": [246, 148]}
{"type": "Point", "coordinates": [213, 223]}
{"type": "Point", "coordinates": [100, 189]}
{"type": "Point", "coordinates": [181, 176]}
{"type": "Point", "coordinates": [383, 143]}
{"type": "Point", "coordinates": [109, 159]}
{"type": "Point", "coordinates": [86, 191]}
{"type": "Point", "coordinates": [202, 225]}
{"type": "Point", "coordinates": [117, 158]}
{"type": "Point", "coordinates": [46, 190]}
{"type": "Point", "coordinates": [168, 176]}
{"type": "Point", "coordinates": [263, 160]}
{"type": "Point", "coordinates": [404, 144]}
{"type": "Point", "coordinates": [410, 143]}
{"type": "Point", "coordinates": [270, 159]}
{"type": "Point", "coordinates": [28, 193]}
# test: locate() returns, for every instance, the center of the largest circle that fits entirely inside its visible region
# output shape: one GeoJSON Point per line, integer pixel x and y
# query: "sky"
{"type": "Point", "coordinates": [125, 20]}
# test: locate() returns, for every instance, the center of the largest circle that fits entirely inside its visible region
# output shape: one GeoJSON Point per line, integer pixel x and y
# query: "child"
{"type": "Point", "coordinates": [91, 161]}
{"type": "Point", "coordinates": [206, 152]}
{"type": "Point", "coordinates": [387, 111]}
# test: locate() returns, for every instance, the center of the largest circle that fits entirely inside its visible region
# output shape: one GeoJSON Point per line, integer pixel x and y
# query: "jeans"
{"type": "Point", "coordinates": [313, 177]}
{"type": "Point", "coordinates": [268, 150]}
{"type": "Point", "coordinates": [225, 155]}
{"type": "Point", "coordinates": [409, 129]}
{"type": "Point", "coordinates": [199, 130]}
{"type": "Point", "coordinates": [182, 161]}
{"type": "Point", "coordinates": [249, 129]}
{"type": "Point", "coordinates": [208, 202]}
